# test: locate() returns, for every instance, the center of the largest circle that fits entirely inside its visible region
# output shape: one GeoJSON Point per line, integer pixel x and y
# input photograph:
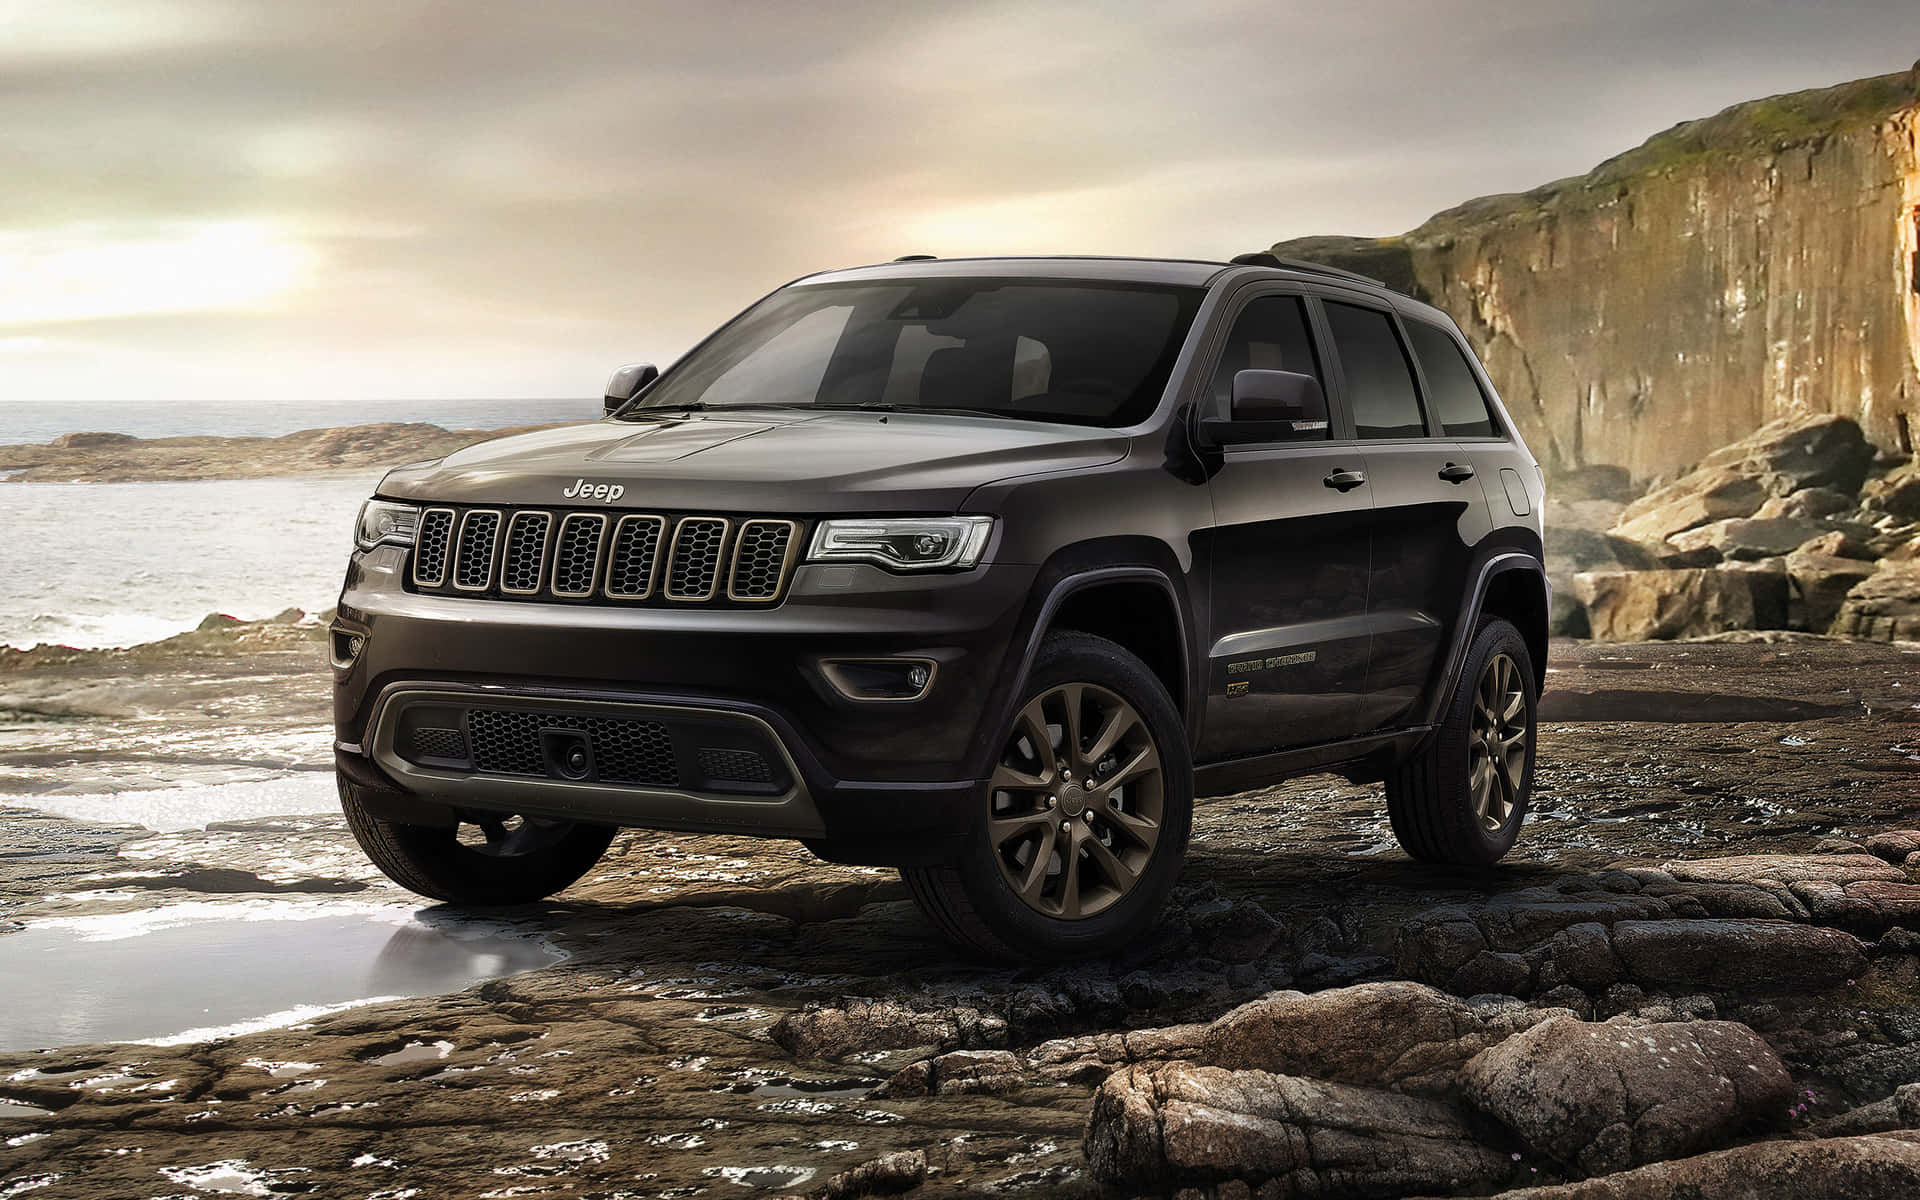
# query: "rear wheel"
{"type": "Point", "coordinates": [1082, 829]}
{"type": "Point", "coordinates": [1462, 796]}
{"type": "Point", "coordinates": [486, 859]}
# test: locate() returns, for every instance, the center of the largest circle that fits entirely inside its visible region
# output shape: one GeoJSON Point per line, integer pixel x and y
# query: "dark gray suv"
{"type": "Point", "coordinates": [983, 569]}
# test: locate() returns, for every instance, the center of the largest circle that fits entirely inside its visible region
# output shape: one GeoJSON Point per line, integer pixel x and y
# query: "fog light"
{"type": "Point", "coordinates": [880, 678]}
{"type": "Point", "coordinates": [347, 646]}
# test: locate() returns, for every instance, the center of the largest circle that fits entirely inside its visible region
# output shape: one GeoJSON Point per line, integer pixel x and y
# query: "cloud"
{"type": "Point", "coordinates": [435, 191]}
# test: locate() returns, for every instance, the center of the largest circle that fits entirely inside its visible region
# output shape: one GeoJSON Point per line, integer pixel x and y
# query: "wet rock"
{"type": "Point", "coordinates": [1393, 1033]}
{"type": "Point", "coordinates": [1863, 1168]}
{"type": "Point", "coordinates": [1638, 606]}
{"type": "Point", "coordinates": [1605, 1097]}
{"type": "Point", "coordinates": [1885, 606]}
{"type": "Point", "coordinates": [1494, 972]}
{"type": "Point", "coordinates": [1784, 869]}
{"type": "Point", "coordinates": [957, 1073]}
{"type": "Point", "coordinates": [1240, 933]}
{"type": "Point", "coordinates": [1894, 845]}
{"type": "Point", "coordinates": [888, 1175]}
{"type": "Point", "coordinates": [1898, 1111]}
{"type": "Point", "coordinates": [1158, 1127]}
{"type": "Point", "coordinates": [1869, 906]}
{"type": "Point", "coordinates": [864, 1026]}
{"type": "Point", "coordinates": [1735, 955]}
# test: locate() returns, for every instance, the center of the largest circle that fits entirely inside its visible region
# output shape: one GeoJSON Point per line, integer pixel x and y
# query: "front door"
{"type": "Point", "coordinates": [1288, 564]}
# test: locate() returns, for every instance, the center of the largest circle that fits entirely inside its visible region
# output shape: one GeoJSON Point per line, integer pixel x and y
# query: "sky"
{"type": "Point", "coordinates": [232, 199]}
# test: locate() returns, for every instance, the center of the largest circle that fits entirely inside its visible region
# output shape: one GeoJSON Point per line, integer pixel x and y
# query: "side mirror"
{"type": "Point", "coordinates": [1269, 406]}
{"type": "Point", "coordinates": [629, 381]}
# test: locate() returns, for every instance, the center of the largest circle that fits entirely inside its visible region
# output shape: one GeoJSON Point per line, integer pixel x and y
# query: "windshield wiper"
{"type": "Point", "coordinates": [693, 406]}
{"type": "Point", "coordinates": [882, 406]}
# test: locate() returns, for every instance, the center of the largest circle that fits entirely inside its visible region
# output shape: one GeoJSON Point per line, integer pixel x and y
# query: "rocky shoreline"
{"type": "Point", "coordinates": [123, 458]}
{"type": "Point", "coordinates": [1699, 966]}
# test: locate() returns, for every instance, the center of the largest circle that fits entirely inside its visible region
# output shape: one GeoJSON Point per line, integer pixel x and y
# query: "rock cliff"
{"type": "Point", "coordinates": [1729, 271]}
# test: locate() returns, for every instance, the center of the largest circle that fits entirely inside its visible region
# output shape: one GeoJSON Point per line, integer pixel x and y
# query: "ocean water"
{"type": "Point", "coordinates": [29, 422]}
{"type": "Point", "coordinates": [116, 564]}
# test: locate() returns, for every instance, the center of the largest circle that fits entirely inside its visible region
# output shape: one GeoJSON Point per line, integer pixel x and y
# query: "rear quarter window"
{"type": "Point", "coordinates": [1452, 391]}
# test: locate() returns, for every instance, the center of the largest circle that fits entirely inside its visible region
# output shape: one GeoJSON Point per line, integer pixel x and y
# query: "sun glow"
{"type": "Point", "coordinates": [87, 272]}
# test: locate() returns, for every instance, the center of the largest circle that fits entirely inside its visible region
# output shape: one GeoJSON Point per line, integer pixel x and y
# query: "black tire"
{"type": "Point", "coordinates": [435, 862]}
{"type": "Point", "coordinates": [974, 902]}
{"type": "Point", "coordinates": [1431, 797]}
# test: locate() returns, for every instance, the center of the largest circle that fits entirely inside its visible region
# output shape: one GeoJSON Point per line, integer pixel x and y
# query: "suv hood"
{"type": "Point", "coordinates": [759, 461]}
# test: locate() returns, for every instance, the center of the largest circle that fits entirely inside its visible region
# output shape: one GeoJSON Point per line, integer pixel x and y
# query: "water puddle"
{"type": "Point", "coordinates": [10, 1110]}
{"type": "Point", "coordinates": [414, 1052]}
{"type": "Point", "coordinates": [197, 971]}
{"type": "Point", "coordinates": [175, 809]}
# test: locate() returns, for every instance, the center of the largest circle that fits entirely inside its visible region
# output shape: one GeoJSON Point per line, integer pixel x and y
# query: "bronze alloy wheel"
{"type": "Point", "coordinates": [1497, 749]}
{"type": "Point", "coordinates": [1078, 801]}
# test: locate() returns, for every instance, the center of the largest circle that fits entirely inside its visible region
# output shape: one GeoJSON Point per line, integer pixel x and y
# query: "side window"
{"type": "Point", "coordinates": [1379, 382]}
{"type": "Point", "coordinates": [1452, 390]}
{"type": "Point", "coordinates": [1270, 335]}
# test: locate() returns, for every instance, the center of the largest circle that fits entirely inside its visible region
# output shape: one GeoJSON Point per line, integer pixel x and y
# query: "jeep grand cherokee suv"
{"type": "Point", "coordinates": [982, 569]}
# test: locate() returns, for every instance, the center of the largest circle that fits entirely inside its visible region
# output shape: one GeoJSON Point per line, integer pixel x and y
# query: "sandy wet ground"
{"type": "Point", "coordinates": [622, 1043]}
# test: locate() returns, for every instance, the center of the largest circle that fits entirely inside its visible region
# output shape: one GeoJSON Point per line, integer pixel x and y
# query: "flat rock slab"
{"type": "Point", "coordinates": [1736, 955]}
{"type": "Point", "coordinates": [1786, 868]}
{"type": "Point", "coordinates": [1605, 1097]}
{"type": "Point", "coordinates": [1859, 1168]}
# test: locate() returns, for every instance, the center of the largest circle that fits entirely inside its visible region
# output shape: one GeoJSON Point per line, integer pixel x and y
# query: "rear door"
{"type": "Point", "coordinates": [1429, 511]}
{"type": "Point", "coordinates": [1288, 557]}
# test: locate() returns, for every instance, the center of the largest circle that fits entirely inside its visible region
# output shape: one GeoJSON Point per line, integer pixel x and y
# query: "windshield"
{"type": "Point", "coordinates": [1087, 353]}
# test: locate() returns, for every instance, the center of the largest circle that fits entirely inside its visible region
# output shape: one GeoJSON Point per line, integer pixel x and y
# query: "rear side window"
{"type": "Point", "coordinates": [1379, 381]}
{"type": "Point", "coordinates": [1451, 388]}
{"type": "Point", "coordinates": [1270, 335]}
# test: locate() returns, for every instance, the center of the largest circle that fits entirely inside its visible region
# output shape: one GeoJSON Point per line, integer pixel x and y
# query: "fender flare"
{"type": "Point", "coordinates": [1020, 666]}
{"type": "Point", "coordinates": [1501, 563]}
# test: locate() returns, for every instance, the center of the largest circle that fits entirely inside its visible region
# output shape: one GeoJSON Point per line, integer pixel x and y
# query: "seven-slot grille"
{"type": "Point", "coordinates": [602, 557]}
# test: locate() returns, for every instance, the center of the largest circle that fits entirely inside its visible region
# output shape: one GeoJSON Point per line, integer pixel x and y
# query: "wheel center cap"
{"type": "Point", "coordinates": [1073, 800]}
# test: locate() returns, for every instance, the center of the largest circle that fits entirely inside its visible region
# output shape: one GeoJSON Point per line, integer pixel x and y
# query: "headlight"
{"type": "Point", "coordinates": [903, 543]}
{"type": "Point", "coordinates": [382, 521]}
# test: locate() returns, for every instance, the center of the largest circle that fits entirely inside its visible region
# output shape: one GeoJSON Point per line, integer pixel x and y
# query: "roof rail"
{"type": "Point", "coordinates": [916, 257]}
{"type": "Point", "coordinates": [1266, 258]}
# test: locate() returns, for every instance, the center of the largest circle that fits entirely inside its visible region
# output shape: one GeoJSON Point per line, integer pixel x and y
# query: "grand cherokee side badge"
{"type": "Point", "coordinates": [582, 490]}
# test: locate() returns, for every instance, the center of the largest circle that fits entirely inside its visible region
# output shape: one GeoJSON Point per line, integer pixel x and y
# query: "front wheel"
{"type": "Point", "coordinates": [1461, 797]}
{"type": "Point", "coordinates": [1082, 829]}
{"type": "Point", "coordinates": [486, 859]}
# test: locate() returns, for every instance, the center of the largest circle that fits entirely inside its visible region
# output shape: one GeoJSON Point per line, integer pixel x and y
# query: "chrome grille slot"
{"type": "Point", "coordinates": [525, 559]}
{"type": "Point", "coordinates": [636, 551]}
{"type": "Point", "coordinates": [576, 554]}
{"type": "Point", "coordinates": [693, 565]}
{"type": "Point", "coordinates": [604, 557]}
{"type": "Point", "coordinates": [762, 554]}
{"type": "Point", "coordinates": [473, 563]}
{"type": "Point", "coordinates": [431, 544]}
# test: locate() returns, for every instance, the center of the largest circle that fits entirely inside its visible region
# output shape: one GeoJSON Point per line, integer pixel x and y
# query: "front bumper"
{"type": "Point", "coordinates": [852, 772]}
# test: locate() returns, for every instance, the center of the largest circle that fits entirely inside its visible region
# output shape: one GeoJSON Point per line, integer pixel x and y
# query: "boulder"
{"type": "Point", "coordinates": [1870, 906]}
{"type": "Point", "coordinates": [1394, 1033]}
{"type": "Point", "coordinates": [957, 1073]}
{"type": "Point", "coordinates": [1154, 1128]}
{"type": "Point", "coordinates": [1896, 492]}
{"type": "Point", "coordinates": [1820, 584]}
{"type": "Point", "coordinates": [1885, 606]}
{"type": "Point", "coordinates": [1859, 1168]}
{"type": "Point", "coordinates": [1605, 1097]}
{"type": "Point", "coordinates": [1633, 606]}
{"type": "Point", "coordinates": [1795, 452]}
{"type": "Point", "coordinates": [1837, 543]}
{"type": "Point", "coordinates": [1696, 499]}
{"type": "Point", "coordinates": [1730, 955]}
{"type": "Point", "coordinates": [91, 440]}
{"type": "Point", "coordinates": [888, 1175]}
{"type": "Point", "coordinates": [1813, 502]}
{"type": "Point", "coordinates": [1572, 548]}
{"type": "Point", "coordinates": [1746, 539]}
{"type": "Point", "coordinates": [863, 1026]}
{"type": "Point", "coordinates": [1898, 1111]}
{"type": "Point", "coordinates": [1894, 845]}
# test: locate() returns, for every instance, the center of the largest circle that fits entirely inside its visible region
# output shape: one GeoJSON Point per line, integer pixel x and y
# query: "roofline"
{"type": "Point", "coordinates": [1244, 266]}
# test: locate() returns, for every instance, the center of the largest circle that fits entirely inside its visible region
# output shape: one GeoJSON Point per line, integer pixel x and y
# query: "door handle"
{"type": "Point", "coordinates": [1456, 472]}
{"type": "Point", "coordinates": [1345, 481]}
